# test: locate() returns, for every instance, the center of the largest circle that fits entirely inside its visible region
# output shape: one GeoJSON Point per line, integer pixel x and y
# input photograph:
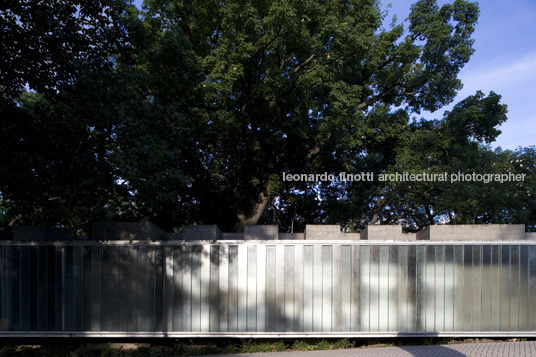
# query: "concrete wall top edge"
{"type": "Point", "coordinates": [140, 231]}
{"type": "Point", "coordinates": [264, 242]}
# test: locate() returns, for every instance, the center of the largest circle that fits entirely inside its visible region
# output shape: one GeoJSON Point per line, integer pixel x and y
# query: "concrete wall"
{"type": "Point", "coordinates": [233, 236]}
{"type": "Point", "coordinates": [350, 236]}
{"type": "Point", "coordinates": [530, 236]}
{"type": "Point", "coordinates": [386, 232]}
{"type": "Point", "coordinates": [322, 232]}
{"type": "Point", "coordinates": [464, 232]}
{"type": "Point", "coordinates": [261, 232]}
{"type": "Point", "coordinates": [291, 236]}
{"type": "Point", "coordinates": [126, 231]}
{"type": "Point", "coordinates": [30, 233]}
{"type": "Point", "coordinates": [200, 232]}
{"type": "Point", "coordinates": [149, 231]}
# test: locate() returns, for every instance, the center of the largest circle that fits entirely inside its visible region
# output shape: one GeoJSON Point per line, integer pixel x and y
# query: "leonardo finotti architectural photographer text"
{"type": "Point", "coordinates": [406, 177]}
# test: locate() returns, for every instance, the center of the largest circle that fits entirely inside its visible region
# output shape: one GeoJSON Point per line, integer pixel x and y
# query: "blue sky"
{"type": "Point", "coordinates": [504, 62]}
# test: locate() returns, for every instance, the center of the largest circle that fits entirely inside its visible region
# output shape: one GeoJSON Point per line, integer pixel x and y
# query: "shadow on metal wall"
{"type": "Point", "coordinates": [312, 288]}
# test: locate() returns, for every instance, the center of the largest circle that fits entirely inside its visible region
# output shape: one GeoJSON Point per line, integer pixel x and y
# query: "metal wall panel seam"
{"type": "Point", "coordinates": [167, 286]}
{"type": "Point", "coordinates": [214, 291]}
{"type": "Point", "coordinates": [336, 298]}
{"type": "Point", "coordinates": [204, 299]}
{"type": "Point", "coordinates": [500, 263]}
{"type": "Point", "coordinates": [346, 287]}
{"type": "Point", "coordinates": [379, 277]}
{"type": "Point", "coordinates": [87, 243]}
{"type": "Point", "coordinates": [279, 307]}
{"type": "Point", "coordinates": [510, 288]}
{"type": "Point", "coordinates": [233, 288]}
{"type": "Point", "coordinates": [364, 292]}
{"type": "Point", "coordinates": [196, 293]}
{"type": "Point", "coordinates": [327, 287]}
{"type": "Point", "coordinates": [186, 270]}
{"type": "Point", "coordinates": [308, 287]}
{"type": "Point", "coordinates": [374, 287]}
{"type": "Point", "coordinates": [355, 288]}
{"type": "Point", "coordinates": [288, 287]}
{"type": "Point", "coordinates": [298, 288]}
{"type": "Point", "coordinates": [223, 287]}
{"type": "Point", "coordinates": [251, 299]}
{"type": "Point", "coordinates": [317, 288]}
{"type": "Point", "coordinates": [532, 287]}
{"type": "Point", "coordinates": [528, 289]}
{"type": "Point", "coordinates": [270, 292]}
{"type": "Point", "coordinates": [515, 265]}
{"type": "Point", "coordinates": [261, 288]}
{"type": "Point", "coordinates": [242, 287]}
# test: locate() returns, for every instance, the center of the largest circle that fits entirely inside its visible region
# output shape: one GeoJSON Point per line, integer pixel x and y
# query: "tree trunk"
{"type": "Point", "coordinates": [378, 208]}
{"type": "Point", "coordinates": [253, 216]}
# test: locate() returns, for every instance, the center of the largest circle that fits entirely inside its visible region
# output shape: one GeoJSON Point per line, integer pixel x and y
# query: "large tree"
{"type": "Point", "coordinates": [266, 88]}
{"type": "Point", "coordinates": [53, 166]}
{"type": "Point", "coordinates": [197, 113]}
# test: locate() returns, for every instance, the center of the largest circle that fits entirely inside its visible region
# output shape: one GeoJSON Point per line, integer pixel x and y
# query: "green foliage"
{"type": "Point", "coordinates": [299, 345]}
{"type": "Point", "coordinates": [81, 351]}
{"type": "Point", "coordinates": [427, 341]}
{"type": "Point", "coordinates": [323, 345]}
{"type": "Point", "coordinates": [342, 344]}
{"type": "Point", "coordinates": [231, 349]}
{"type": "Point", "coordinates": [190, 111]}
{"type": "Point", "coordinates": [179, 349]}
{"type": "Point", "coordinates": [431, 148]}
{"type": "Point", "coordinates": [112, 352]}
{"type": "Point", "coordinates": [207, 350]}
{"type": "Point", "coordinates": [7, 351]}
{"type": "Point", "coordinates": [250, 346]}
{"type": "Point", "coordinates": [292, 87]}
{"type": "Point", "coordinates": [279, 346]}
{"type": "Point", "coordinates": [149, 351]}
{"type": "Point", "coordinates": [49, 45]}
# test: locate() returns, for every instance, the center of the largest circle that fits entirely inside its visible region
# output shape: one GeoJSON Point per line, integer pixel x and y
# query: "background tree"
{"type": "Point", "coordinates": [53, 157]}
{"type": "Point", "coordinates": [454, 145]}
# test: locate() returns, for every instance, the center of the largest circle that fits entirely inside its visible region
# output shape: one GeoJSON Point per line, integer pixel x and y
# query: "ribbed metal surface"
{"type": "Point", "coordinates": [342, 288]}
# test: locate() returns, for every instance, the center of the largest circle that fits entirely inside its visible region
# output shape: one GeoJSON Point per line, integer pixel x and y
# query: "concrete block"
{"type": "Point", "coordinates": [5, 234]}
{"type": "Point", "coordinates": [126, 231]}
{"type": "Point", "coordinates": [174, 236]}
{"type": "Point", "coordinates": [423, 234]}
{"type": "Point", "coordinates": [350, 236]}
{"type": "Point", "coordinates": [381, 232]}
{"type": "Point", "coordinates": [386, 232]}
{"type": "Point", "coordinates": [233, 236]}
{"type": "Point", "coordinates": [322, 232]}
{"type": "Point", "coordinates": [201, 232]}
{"type": "Point", "coordinates": [409, 236]}
{"type": "Point", "coordinates": [31, 233]}
{"type": "Point", "coordinates": [530, 236]}
{"type": "Point", "coordinates": [291, 236]}
{"type": "Point", "coordinates": [477, 232]}
{"type": "Point", "coordinates": [261, 232]}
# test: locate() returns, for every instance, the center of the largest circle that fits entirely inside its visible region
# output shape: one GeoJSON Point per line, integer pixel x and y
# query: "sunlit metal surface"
{"type": "Point", "coordinates": [268, 289]}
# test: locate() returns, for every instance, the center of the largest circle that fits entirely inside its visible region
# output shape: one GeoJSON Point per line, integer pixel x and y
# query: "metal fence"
{"type": "Point", "coordinates": [265, 289]}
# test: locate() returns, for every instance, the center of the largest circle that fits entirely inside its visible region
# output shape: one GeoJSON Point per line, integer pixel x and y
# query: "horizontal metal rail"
{"type": "Point", "coordinates": [267, 289]}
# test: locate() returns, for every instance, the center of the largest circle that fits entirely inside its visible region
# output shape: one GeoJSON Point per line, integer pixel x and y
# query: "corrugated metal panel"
{"type": "Point", "coordinates": [262, 289]}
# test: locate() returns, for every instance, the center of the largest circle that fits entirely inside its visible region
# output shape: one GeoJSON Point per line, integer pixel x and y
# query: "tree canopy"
{"type": "Point", "coordinates": [191, 112]}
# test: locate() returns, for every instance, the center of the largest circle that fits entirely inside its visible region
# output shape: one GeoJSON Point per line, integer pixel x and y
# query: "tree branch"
{"type": "Point", "coordinates": [304, 63]}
